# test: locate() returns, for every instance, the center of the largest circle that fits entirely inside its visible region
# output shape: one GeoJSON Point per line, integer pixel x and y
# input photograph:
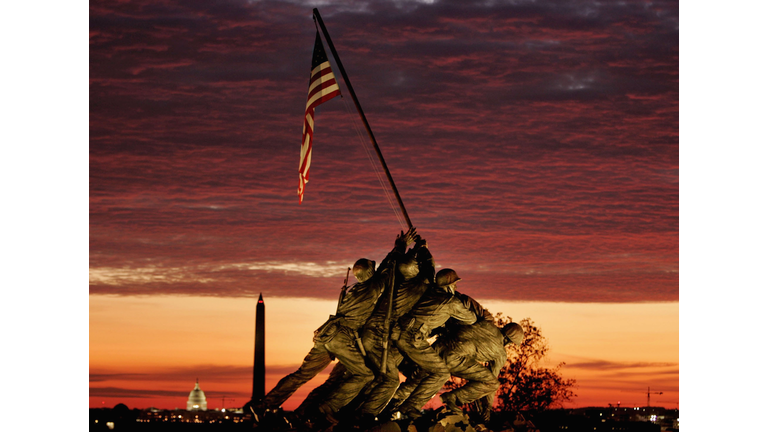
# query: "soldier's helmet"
{"type": "Point", "coordinates": [363, 269]}
{"type": "Point", "coordinates": [514, 333]}
{"type": "Point", "coordinates": [446, 277]}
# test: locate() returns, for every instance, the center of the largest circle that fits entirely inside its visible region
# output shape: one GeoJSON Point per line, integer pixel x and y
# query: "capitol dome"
{"type": "Point", "coordinates": [196, 401]}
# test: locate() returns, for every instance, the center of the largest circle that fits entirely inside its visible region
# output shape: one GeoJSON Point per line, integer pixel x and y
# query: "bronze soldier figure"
{"type": "Point", "coordinates": [476, 308]}
{"type": "Point", "coordinates": [465, 350]}
{"type": "Point", "coordinates": [413, 330]}
{"type": "Point", "coordinates": [338, 337]}
{"type": "Point", "coordinates": [415, 272]}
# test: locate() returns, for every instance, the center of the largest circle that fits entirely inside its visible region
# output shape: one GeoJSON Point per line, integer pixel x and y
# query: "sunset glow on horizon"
{"type": "Point", "coordinates": [148, 351]}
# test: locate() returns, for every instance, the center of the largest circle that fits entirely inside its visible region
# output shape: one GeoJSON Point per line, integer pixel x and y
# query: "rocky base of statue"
{"type": "Point", "coordinates": [441, 420]}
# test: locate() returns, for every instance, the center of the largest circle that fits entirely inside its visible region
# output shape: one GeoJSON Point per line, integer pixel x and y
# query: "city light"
{"type": "Point", "coordinates": [594, 418]}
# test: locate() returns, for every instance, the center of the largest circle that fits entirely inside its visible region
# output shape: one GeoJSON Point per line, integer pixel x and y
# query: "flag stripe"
{"type": "Point", "coordinates": [311, 122]}
{"type": "Point", "coordinates": [322, 88]}
{"type": "Point", "coordinates": [324, 68]}
{"type": "Point", "coordinates": [321, 91]}
{"type": "Point", "coordinates": [322, 96]}
{"type": "Point", "coordinates": [324, 83]}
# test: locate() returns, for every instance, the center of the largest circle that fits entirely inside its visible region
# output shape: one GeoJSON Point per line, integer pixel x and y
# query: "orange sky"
{"type": "Point", "coordinates": [148, 351]}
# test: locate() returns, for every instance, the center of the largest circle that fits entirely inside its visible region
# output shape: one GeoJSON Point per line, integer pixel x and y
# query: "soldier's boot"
{"type": "Point", "coordinates": [318, 419]}
{"type": "Point", "coordinates": [451, 402]}
{"type": "Point", "coordinates": [257, 408]}
{"type": "Point", "coordinates": [410, 412]}
{"type": "Point", "coordinates": [390, 412]}
{"type": "Point", "coordinates": [355, 423]}
{"type": "Point", "coordinates": [328, 413]}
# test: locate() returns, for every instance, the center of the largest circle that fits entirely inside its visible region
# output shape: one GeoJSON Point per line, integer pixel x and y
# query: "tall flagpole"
{"type": "Point", "coordinates": [319, 20]}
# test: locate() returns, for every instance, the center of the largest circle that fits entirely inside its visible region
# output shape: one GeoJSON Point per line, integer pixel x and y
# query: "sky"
{"type": "Point", "coordinates": [52, 313]}
{"type": "Point", "coordinates": [154, 360]}
{"type": "Point", "coordinates": [55, 323]}
{"type": "Point", "coordinates": [535, 145]}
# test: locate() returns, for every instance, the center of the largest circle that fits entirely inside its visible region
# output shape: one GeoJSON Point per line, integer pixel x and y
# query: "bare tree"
{"type": "Point", "coordinates": [526, 386]}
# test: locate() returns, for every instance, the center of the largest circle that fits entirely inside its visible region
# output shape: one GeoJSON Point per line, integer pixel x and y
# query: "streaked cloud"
{"type": "Point", "coordinates": [203, 273]}
{"type": "Point", "coordinates": [218, 381]}
{"type": "Point", "coordinates": [534, 144]}
{"type": "Point", "coordinates": [217, 373]}
{"type": "Point", "coordinates": [605, 365]}
{"type": "Point", "coordinates": [118, 392]}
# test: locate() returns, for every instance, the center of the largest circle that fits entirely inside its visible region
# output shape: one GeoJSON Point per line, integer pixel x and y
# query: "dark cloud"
{"type": "Point", "coordinates": [217, 373]}
{"type": "Point", "coordinates": [118, 392]}
{"type": "Point", "coordinates": [220, 373]}
{"type": "Point", "coordinates": [215, 376]}
{"type": "Point", "coordinates": [605, 365]}
{"type": "Point", "coordinates": [111, 376]}
{"type": "Point", "coordinates": [535, 145]}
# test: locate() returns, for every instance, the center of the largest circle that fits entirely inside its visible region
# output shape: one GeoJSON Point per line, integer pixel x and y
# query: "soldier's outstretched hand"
{"type": "Point", "coordinates": [400, 240]}
{"type": "Point", "coordinates": [406, 238]}
{"type": "Point", "coordinates": [411, 236]}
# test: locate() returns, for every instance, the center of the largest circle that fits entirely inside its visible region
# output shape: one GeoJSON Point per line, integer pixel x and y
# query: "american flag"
{"type": "Point", "coordinates": [322, 88]}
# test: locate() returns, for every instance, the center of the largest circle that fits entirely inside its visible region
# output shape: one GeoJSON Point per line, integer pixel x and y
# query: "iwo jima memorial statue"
{"type": "Point", "coordinates": [398, 318]}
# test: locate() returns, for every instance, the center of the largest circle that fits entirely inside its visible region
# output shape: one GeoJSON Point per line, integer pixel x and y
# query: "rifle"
{"type": "Point", "coordinates": [343, 290]}
{"type": "Point", "coordinates": [385, 354]}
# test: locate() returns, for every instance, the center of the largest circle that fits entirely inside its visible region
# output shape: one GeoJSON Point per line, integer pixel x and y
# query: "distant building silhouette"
{"type": "Point", "coordinates": [196, 401]}
{"type": "Point", "coordinates": [258, 353]}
